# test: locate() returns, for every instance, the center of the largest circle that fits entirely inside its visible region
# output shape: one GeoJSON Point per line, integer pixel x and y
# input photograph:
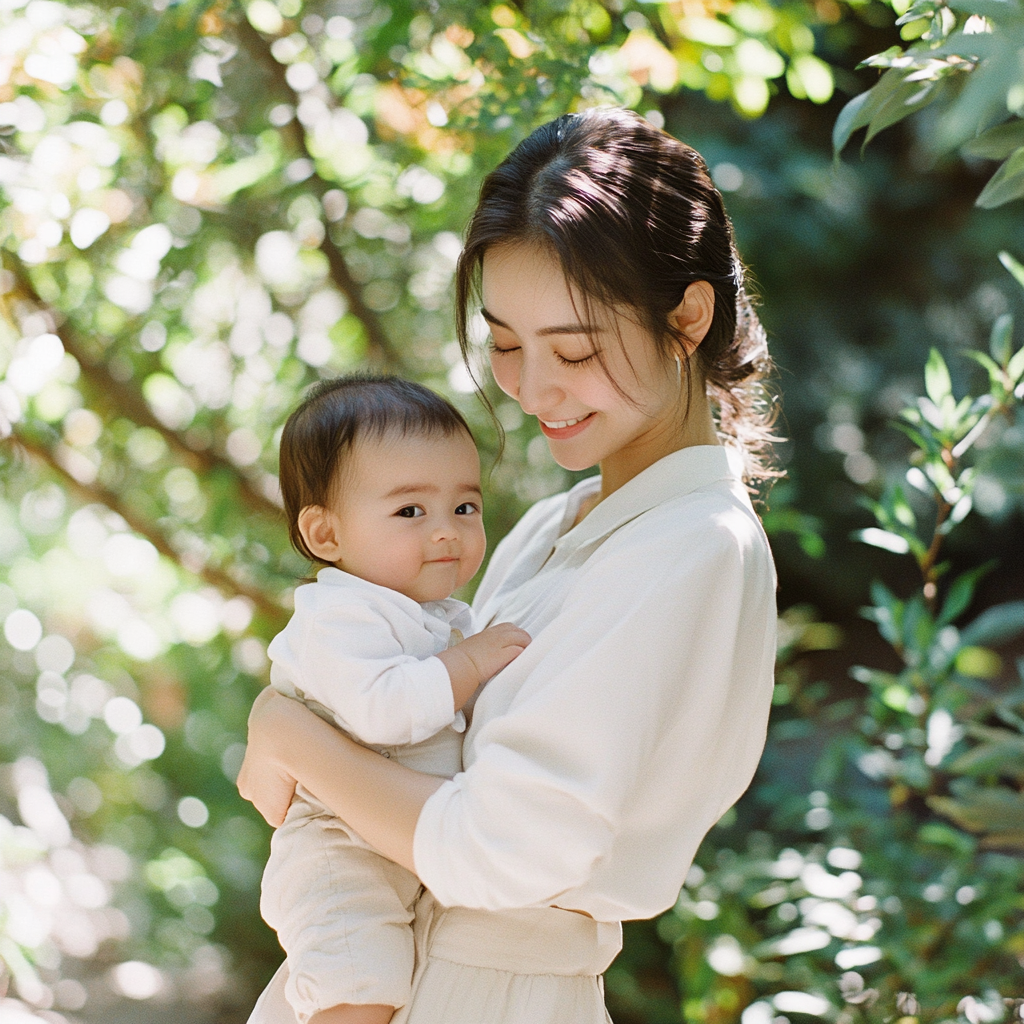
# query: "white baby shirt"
{"type": "Point", "coordinates": [367, 654]}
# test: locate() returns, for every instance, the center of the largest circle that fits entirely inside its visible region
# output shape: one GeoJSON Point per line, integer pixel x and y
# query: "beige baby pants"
{"type": "Point", "coordinates": [538, 966]}
{"type": "Point", "coordinates": [342, 912]}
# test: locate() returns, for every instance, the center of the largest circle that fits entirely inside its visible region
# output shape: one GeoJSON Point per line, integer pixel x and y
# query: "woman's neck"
{"type": "Point", "coordinates": [696, 429]}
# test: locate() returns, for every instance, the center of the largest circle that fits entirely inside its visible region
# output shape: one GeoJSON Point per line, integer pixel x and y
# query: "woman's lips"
{"type": "Point", "coordinates": [564, 433]}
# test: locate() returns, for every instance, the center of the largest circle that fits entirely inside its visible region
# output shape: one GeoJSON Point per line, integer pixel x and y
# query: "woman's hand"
{"type": "Point", "coordinates": [264, 780]}
{"type": "Point", "coordinates": [377, 797]}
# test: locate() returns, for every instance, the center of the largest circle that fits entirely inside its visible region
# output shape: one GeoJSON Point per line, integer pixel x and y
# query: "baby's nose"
{"type": "Point", "coordinates": [445, 531]}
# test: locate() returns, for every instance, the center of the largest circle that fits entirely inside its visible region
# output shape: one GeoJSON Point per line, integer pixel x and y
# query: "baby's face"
{"type": "Point", "coordinates": [407, 515]}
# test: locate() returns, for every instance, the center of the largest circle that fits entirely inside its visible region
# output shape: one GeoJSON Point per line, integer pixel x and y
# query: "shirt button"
{"type": "Point", "coordinates": [386, 753]}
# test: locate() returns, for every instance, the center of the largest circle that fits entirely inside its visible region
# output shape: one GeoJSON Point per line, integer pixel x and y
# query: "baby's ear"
{"type": "Point", "coordinates": [319, 529]}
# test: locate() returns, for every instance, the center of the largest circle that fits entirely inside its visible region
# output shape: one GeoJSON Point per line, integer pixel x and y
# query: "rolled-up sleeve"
{"type": "Point", "coordinates": [632, 722]}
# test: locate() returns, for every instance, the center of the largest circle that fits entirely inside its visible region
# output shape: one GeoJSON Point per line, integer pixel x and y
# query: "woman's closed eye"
{"type": "Point", "coordinates": [410, 512]}
{"type": "Point", "coordinates": [581, 361]}
{"type": "Point", "coordinates": [497, 350]}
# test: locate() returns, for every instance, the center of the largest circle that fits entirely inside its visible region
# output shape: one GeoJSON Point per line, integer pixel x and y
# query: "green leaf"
{"type": "Point", "coordinates": [922, 9]}
{"type": "Point", "coordinates": [885, 539]}
{"type": "Point", "coordinates": [978, 662]}
{"type": "Point", "coordinates": [806, 528]}
{"type": "Point", "coordinates": [895, 56]}
{"type": "Point", "coordinates": [936, 378]}
{"type": "Point", "coordinates": [909, 97]}
{"type": "Point", "coordinates": [888, 94]}
{"type": "Point", "coordinates": [887, 612]}
{"type": "Point", "coordinates": [901, 510]}
{"type": "Point", "coordinates": [850, 118]}
{"type": "Point", "coordinates": [972, 426]}
{"type": "Point", "coordinates": [1001, 752]}
{"type": "Point", "coordinates": [1013, 266]}
{"type": "Point", "coordinates": [938, 833]}
{"type": "Point", "coordinates": [1015, 367]}
{"type": "Point", "coordinates": [983, 98]}
{"type": "Point", "coordinates": [995, 371]}
{"type": "Point", "coordinates": [918, 631]}
{"type": "Point", "coordinates": [919, 12]}
{"type": "Point", "coordinates": [984, 810]}
{"type": "Point", "coordinates": [1000, 342]}
{"type": "Point", "coordinates": [884, 597]}
{"type": "Point", "coordinates": [873, 677]}
{"type": "Point", "coordinates": [997, 10]}
{"type": "Point", "coordinates": [960, 593]}
{"type": "Point", "coordinates": [969, 48]}
{"type": "Point", "coordinates": [995, 625]}
{"type": "Point", "coordinates": [999, 142]}
{"type": "Point", "coordinates": [1006, 184]}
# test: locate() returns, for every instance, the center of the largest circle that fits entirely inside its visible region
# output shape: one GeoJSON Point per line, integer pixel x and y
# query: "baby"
{"type": "Point", "coordinates": [381, 486]}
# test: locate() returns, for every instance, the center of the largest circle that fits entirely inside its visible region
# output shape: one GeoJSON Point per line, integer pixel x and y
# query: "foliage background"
{"type": "Point", "coordinates": [206, 207]}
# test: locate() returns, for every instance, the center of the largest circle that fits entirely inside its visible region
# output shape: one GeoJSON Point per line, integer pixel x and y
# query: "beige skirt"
{"type": "Point", "coordinates": [540, 966]}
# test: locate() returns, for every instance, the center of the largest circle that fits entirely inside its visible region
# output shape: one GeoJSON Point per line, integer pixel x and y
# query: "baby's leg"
{"type": "Point", "coordinates": [354, 1013]}
{"type": "Point", "coordinates": [343, 914]}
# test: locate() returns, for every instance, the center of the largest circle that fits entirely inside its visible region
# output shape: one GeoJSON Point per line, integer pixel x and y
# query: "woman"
{"type": "Point", "coordinates": [597, 761]}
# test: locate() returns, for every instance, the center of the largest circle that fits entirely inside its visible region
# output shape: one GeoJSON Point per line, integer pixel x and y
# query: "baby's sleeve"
{"type": "Point", "coordinates": [374, 673]}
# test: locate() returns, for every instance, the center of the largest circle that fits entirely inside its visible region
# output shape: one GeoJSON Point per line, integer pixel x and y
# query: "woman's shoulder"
{"type": "Point", "coordinates": [713, 524]}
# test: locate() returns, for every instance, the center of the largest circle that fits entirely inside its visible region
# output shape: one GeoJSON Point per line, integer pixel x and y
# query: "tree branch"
{"type": "Point", "coordinates": [125, 400]}
{"type": "Point", "coordinates": [96, 493]}
{"type": "Point", "coordinates": [382, 351]}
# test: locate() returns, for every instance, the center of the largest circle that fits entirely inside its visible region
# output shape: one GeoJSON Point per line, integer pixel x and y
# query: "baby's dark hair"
{"type": "Point", "coordinates": [334, 414]}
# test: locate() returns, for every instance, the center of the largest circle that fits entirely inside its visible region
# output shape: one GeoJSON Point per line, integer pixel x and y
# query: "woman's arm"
{"type": "Point", "coordinates": [288, 744]}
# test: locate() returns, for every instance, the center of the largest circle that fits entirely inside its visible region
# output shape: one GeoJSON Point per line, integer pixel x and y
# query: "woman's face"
{"type": "Point", "coordinates": [625, 407]}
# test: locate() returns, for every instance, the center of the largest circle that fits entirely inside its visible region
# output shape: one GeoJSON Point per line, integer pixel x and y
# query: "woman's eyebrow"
{"type": "Point", "coordinates": [577, 328]}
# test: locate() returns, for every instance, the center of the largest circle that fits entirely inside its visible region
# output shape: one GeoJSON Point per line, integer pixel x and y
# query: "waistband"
{"type": "Point", "coordinates": [534, 941]}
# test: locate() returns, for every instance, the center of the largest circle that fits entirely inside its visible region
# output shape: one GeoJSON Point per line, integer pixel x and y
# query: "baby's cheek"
{"type": "Point", "coordinates": [475, 548]}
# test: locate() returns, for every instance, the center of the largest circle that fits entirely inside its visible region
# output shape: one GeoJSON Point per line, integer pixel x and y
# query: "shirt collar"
{"type": "Point", "coordinates": [335, 577]}
{"type": "Point", "coordinates": [676, 474]}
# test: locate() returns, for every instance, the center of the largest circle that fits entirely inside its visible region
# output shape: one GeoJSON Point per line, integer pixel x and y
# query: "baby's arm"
{"type": "Point", "coordinates": [478, 657]}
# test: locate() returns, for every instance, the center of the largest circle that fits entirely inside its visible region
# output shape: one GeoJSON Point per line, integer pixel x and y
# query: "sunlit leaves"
{"type": "Point", "coordinates": [940, 659]}
{"type": "Point", "coordinates": [975, 46]}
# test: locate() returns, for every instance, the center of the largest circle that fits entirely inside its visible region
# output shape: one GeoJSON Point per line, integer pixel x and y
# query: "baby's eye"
{"type": "Point", "coordinates": [410, 512]}
{"type": "Point", "coordinates": [467, 508]}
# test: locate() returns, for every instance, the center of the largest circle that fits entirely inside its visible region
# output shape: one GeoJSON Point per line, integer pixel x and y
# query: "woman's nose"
{"type": "Point", "coordinates": [537, 390]}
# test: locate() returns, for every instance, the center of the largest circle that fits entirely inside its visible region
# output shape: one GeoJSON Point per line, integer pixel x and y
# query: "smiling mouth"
{"type": "Point", "coordinates": [562, 424]}
{"type": "Point", "coordinates": [562, 430]}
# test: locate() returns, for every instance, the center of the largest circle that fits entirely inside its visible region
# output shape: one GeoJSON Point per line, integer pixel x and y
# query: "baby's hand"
{"type": "Point", "coordinates": [494, 647]}
{"type": "Point", "coordinates": [478, 657]}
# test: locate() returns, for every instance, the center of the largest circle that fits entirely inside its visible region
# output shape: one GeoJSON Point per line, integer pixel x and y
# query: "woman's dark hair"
{"type": "Point", "coordinates": [333, 415]}
{"type": "Point", "coordinates": [633, 218]}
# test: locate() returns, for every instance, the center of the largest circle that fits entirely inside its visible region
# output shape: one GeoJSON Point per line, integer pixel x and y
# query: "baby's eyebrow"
{"type": "Point", "coordinates": [396, 492]}
{"type": "Point", "coordinates": [577, 328]}
{"type": "Point", "coordinates": [424, 488]}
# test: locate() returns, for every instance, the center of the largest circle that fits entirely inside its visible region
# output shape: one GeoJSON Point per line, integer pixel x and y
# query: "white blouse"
{"type": "Point", "coordinates": [596, 762]}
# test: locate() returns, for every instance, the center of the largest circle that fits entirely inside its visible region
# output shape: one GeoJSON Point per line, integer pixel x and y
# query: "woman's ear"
{"type": "Point", "coordinates": [693, 316]}
{"type": "Point", "coordinates": [319, 529]}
